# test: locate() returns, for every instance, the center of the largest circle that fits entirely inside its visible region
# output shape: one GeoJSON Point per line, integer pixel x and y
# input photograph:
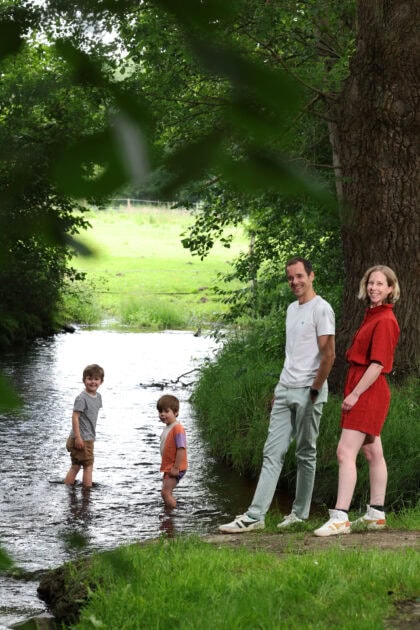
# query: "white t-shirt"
{"type": "Point", "coordinates": [304, 324]}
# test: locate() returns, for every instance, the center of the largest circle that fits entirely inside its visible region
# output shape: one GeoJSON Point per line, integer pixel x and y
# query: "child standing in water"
{"type": "Point", "coordinates": [82, 436]}
{"type": "Point", "coordinates": [173, 447]}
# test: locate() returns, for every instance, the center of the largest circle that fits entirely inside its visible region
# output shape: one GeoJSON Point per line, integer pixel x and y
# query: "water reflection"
{"type": "Point", "coordinates": [79, 506]}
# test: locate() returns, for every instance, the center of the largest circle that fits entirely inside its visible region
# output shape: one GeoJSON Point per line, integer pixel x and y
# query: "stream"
{"type": "Point", "coordinates": [41, 518]}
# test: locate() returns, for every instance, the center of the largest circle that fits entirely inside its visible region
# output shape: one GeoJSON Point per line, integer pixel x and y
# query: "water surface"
{"type": "Point", "coordinates": [41, 518]}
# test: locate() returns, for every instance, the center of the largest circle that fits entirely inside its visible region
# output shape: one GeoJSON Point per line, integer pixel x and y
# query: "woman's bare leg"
{"type": "Point", "coordinates": [378, 473]}
{"type": "Point", "coordinates": [348, 447]}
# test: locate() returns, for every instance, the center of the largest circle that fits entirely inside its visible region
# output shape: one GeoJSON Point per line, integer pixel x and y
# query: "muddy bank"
{"type": "Point", "coordinates": [66, 589]}
{"type": "Point", "coordinates": [392, 539]}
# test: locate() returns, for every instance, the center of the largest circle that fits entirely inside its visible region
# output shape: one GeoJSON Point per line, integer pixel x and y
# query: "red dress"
{"type": "Point", "coordinates": [375, 341]}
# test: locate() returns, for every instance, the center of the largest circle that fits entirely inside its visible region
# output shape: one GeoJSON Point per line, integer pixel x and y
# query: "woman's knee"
{"type": "Point", "coordinates": [345, 454]}
{"type": "Point", "coordinates": [373, 456]}
{"type": "Point", "coordinates": [373, 453]}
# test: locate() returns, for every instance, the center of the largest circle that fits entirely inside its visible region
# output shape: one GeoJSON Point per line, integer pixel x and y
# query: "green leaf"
{"type": "Point", "coordinates": [74, 170]}
{"type": "Point", "coordinates": [85, 71]}
{"type": "Point", "coordinates": [194, 14]}
{"type": "Point", "coordinates": [9, 400]}
{"type": "Point", "coordinates": [252, 80]}
{"type": "Point", "coordinates": [74, 540]}
{"type": "Point", "coordinates": [10, 38]}
{"type": "Point", "coordinates": [191, 161]}
{"type": "Point", "coordinates": [261, 171]}
{"type": "Point", "coordinates": [6, 563]}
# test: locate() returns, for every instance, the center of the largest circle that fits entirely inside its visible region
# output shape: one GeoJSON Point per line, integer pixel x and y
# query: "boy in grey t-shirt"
{"type": "Point", "coordinates": [82, 436]}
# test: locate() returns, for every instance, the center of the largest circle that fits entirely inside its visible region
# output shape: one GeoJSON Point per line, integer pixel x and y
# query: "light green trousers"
{"type": "Point", "coordinates": [293, 417]}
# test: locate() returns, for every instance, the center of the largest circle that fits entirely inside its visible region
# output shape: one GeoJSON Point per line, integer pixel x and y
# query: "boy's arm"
{"type": "Point", "coordinates": [178, 461]}
{"type": "Point", "coordinates": [78, 442]}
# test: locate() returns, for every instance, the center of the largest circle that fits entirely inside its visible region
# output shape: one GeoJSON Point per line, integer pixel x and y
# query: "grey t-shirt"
{"type": "Point", "coordinates": [89, 408]}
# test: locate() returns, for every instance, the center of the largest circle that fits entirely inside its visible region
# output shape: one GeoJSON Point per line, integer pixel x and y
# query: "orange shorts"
{"type": "Point", "coordinates": [80, 456]}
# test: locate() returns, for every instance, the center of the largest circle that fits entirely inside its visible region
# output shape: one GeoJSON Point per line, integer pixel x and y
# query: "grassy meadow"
{"type": "Point", "coordinates": [140, 275]}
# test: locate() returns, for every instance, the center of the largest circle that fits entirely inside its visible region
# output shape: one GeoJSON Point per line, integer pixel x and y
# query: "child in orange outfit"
{"type": "Point", "coordinates": [173, 447]}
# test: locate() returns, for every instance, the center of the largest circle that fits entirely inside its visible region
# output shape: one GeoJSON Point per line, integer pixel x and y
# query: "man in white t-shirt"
{"type": "Point", "coordinates": [299, 398]}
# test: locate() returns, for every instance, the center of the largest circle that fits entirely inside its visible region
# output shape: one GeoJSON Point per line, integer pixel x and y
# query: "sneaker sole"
{"type": "Point", "coordinates": [332, 532]}
{"type": "Point", "coordinates": [240, 530]}
{"type": "Point", "coordinates": [370, 524]}
{"type": "Point", "coordinates": [376, 525]}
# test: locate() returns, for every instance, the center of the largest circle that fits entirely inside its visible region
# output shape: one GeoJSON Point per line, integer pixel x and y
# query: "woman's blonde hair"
{"type": "Point", "coordinates": [391, 279]}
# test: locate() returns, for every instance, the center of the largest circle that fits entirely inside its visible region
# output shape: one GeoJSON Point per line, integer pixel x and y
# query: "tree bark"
{"type": "Point", "coordinates": [374, 140]}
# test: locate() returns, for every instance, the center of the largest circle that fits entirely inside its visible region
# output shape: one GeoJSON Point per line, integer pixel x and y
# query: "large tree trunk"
{"type": "Point", "coordinates": [374, 140]}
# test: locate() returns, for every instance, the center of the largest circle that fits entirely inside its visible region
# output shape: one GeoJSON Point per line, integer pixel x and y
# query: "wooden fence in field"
{"type": "Point", "coordinates": [126, 204]}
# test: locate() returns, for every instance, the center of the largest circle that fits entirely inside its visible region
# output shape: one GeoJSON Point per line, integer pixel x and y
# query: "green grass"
{"type": "Point", "coordinates": [163, 585]}
{"type": "Point", "coordinates": [140, 274]}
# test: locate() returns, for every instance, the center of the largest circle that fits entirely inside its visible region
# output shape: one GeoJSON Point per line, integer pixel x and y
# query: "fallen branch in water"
{"type": "Point", "coordinates": [164, 384]}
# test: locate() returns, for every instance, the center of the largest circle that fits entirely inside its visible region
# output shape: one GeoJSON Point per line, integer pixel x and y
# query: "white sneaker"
{"type": "Point", "coordinates": [338, 523]}
{"type": "Point", "coordinates": [242, 523]}
{"type": "Point", "coordinates": [289, 520]}
{"type": "Point", "coordinates": [373, 519]}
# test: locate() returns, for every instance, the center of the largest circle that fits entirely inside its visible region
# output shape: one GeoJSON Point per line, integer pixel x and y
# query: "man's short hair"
{"type": "Point", "coordinates": [298, 259]}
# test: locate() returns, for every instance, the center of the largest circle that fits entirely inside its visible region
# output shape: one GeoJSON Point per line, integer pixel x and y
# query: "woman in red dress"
{"type": "Point", "coordinates": [366, 401]}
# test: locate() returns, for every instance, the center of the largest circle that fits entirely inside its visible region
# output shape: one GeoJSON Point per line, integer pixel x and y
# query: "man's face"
{"type": "Point", "coordinates": [300, 282]}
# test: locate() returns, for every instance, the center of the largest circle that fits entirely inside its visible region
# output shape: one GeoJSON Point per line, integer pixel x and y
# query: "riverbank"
{"type": "Point", "coordinates": [258, 579]}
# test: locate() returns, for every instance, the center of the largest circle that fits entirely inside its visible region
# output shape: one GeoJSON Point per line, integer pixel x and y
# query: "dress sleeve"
{"type": "Point", "coordinates": [384, 341]}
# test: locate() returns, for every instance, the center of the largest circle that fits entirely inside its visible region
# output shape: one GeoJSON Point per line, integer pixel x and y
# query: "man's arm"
{"type": "Point", "coordinates": [326, 345]}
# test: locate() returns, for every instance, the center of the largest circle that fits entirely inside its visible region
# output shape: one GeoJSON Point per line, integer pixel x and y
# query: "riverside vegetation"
{"type": "Point", "coordinates": [162, 584]}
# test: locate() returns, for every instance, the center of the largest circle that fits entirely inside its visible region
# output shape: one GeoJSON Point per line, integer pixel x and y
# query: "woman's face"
{"type": "Point", "coordinates": [377, 288]}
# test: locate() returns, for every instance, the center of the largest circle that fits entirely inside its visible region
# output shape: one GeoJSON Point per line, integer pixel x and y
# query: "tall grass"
{"type": "Point", "coordinates": [163, 585]}
{"type": "Point", "coordinates": [154, 314]}
{"type": "Point", "coordinates": [232, 399]}
{"type": "Point", "coordinates": [141, 276]}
